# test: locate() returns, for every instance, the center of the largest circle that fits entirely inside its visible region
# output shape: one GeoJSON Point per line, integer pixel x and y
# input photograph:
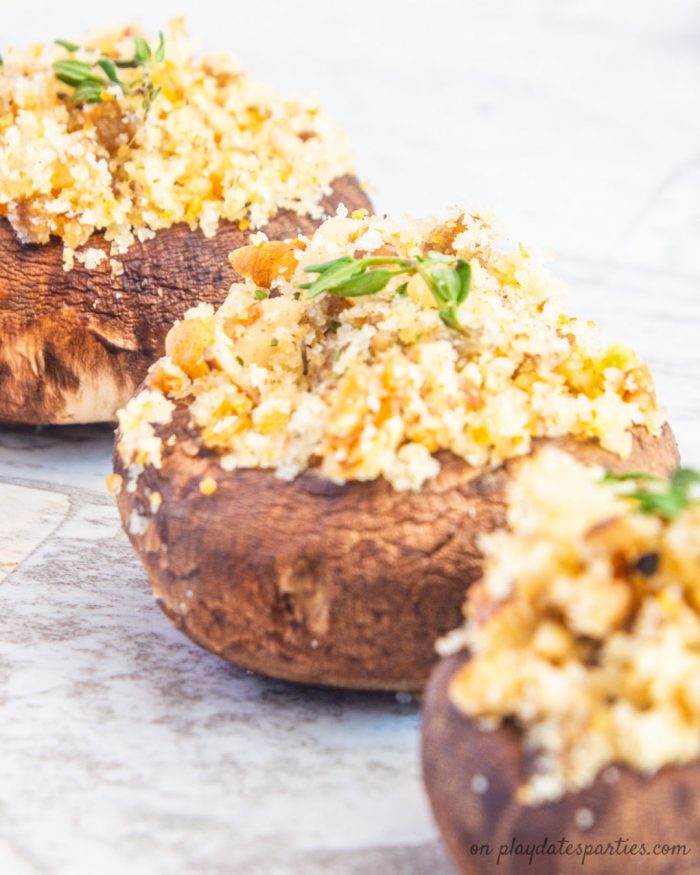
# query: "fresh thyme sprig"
{"type": "Point", "coordinates": [91, 80]}
{"type": "Point", "coordinates": [666, 498]}
{"type": "Point", "coordinates": [448, 278]}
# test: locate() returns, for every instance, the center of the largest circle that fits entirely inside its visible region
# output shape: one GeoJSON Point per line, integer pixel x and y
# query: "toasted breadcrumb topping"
{"type": "Point", "coordinates": [114, 483]}
{"type": "Point", "coordinates": [208, 486]}
{"type": "Point", "coordinates": [214, 145]}
{"type": "Point", "coordinates": [585, 630]}
{"type": "Point", "coordinates": [375, 386]}
{"type": "Point", "coordinates": [139, 443]}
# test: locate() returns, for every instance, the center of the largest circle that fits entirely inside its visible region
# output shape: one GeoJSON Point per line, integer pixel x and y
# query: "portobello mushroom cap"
{"type": "Point", "coordinates": [471, 777]}
{"type": "Point", "coordinates": [75, 345]}
{"type": "Point", "coordinates": [345, 585]}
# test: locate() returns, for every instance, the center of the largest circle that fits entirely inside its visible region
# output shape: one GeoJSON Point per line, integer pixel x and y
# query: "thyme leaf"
{"type": "Point", "coordinates": [90, 80]}
{"type": "Point", "coordinates": [655, 495]}
{"type": "Point", "coordinates": [75, 73]}
{"type": "Point", "coordinates": [68, 46]}
{"type": "Point", "coordinates": [447, 277]}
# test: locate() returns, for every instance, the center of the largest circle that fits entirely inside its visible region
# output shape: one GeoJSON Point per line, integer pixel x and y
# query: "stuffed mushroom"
{"type": "Point", "coordinates": [307, 472]}
{"type": "Point", "coordinates": [130, 169]}
{"type": "Point", "coordinates": [564, 720]}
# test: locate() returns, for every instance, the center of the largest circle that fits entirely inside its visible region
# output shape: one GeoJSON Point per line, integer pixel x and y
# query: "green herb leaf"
{"type": "Point", "coordinates": [446, 283]}
{"type": "Point", "coordinates": [610, 477]}
{"type": "Point", "coordinates": [332, 277]}
{"type": "Point", "coordinates": [88, 92]}
{"type": "Point", "coordinates": [449, 317]}
{"type": "Point", "coordinates": [348, 277]}
{"type": "Point", "coordinates": [150, 97]}
{"type": "Point", "coordinates": [143, 50]}
{"type": "Point", "coordinates": [665, 498]}
{"type": "Point", "coordinates": [68, 46]}
{"type": "Point", "coordinates": [160, 51]}
{"type": "Point", "coordinates": [365, 284]}
{"type": "Point", "coordinates": [110, 69]}
{"type": "Point", "coordinates": [89, 84]}
{"type": "Point", "coordinates": [260, 294]}
{"type": "Point", "coordinates": [327, 265]}
{"type": "Point", "coordinates": [75, 72]}
{"type": "Point", "coordinates": [464, 272]}
{"type": "Point", "coordinates": [439, 257]}
{"type": "Point", "coordinates": [684, 478]}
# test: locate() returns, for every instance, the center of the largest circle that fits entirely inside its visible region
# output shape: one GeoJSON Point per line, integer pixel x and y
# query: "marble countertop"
{"type": "Point", "coordinates": [125, 748]}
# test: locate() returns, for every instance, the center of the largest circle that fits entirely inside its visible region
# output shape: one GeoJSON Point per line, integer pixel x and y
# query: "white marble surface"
{"type": "Point", "coordinates": [124, 748]}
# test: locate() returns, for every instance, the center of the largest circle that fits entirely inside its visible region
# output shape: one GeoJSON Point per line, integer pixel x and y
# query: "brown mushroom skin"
{"type": "Point", "coordinates": [75, 345]}
{"type": "Point", "coordinates": [659, 810]}
{"type": "Point", "coordinates": [343, 585]}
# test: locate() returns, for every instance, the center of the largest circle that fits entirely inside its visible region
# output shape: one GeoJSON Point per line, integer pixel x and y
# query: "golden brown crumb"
{"type": "Point", "coordinates": [586, 629]}
{"type": "Point", "coordinates": [214, 145]}
{"type": "Point", "coordinates": [114, 483]}
{"type": "Point", "coordinates": [374, 386]}
{"type": "Point", "coordinates": [208, 486]}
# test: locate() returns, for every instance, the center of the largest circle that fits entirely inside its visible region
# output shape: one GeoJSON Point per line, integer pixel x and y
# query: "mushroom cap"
{"type": "Point", "coordinates": [76, 344]}
{"type": "Point", "coordinates": [348, 584]}
{"type": "Point", "coordinates": [471, 777]}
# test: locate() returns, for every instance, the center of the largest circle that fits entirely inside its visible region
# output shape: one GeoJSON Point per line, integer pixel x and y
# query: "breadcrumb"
{"type": "Point", "coordinates": [208, 486]}
{"type": "Point", "coordinates": [214, 145]}
{"type": "Point", "coordinates": [585, 630]}
{"type": "Point", "coordinates": [114, 483]}
{"type": "Point", "coordinates": [375, 386]}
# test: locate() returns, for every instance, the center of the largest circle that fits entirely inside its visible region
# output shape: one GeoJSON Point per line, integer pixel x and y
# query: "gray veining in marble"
{"type": "Point", "coordinates": [123, 747]}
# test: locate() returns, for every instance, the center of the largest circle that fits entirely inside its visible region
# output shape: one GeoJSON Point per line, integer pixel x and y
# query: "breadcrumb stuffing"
{"type": "Point", "coordinates": [91, 257]}
{"type": "Point", "coordinates": [375, 386]}
{"type": "Point", "coordinates": [214, 145]}
{"type": "Point", "coordinates": [138, 523]}
{"type": "Point", "coordinates": [114, 483]}
{"type": "Point", "coordinates": [139, 444]}
{"type": "Point", "coordinates": [208, 486]}
{"type": "Point", "coordinates": [585, 630]}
